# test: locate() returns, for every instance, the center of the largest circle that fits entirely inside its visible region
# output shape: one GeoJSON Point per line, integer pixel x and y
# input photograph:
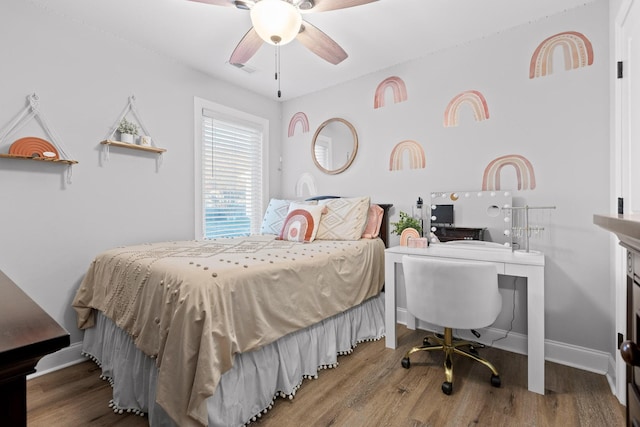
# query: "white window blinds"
{"type": "Point", "coordinates": [322, 151]}
{"type": "Point", "coordinates": [232, 175]}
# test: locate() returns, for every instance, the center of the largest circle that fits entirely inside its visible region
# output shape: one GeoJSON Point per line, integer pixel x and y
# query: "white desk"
{"type": "Point", "coordinates": [530, 266]}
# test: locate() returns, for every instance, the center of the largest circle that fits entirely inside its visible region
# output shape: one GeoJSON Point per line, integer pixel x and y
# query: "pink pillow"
{"type": "Point", "coordinates": [374, 221]}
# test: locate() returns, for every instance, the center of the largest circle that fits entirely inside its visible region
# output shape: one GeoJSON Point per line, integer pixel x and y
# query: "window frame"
{"type": "Point", "coordinates": [199, 105]}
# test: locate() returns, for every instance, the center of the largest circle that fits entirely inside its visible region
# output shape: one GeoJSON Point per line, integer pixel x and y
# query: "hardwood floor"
{"type": "Point", "coordinates": [370, 388]}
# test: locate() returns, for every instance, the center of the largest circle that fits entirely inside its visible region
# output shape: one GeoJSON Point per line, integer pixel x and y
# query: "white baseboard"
{"type": "Point", "coordinates": [611, 379]}
{"type": "Point", "coordinates": [61, 359]}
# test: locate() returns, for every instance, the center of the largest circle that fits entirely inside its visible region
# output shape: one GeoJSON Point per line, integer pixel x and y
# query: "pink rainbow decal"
{"type": "Point", "coordinates": [398, 88]}
{"type": "Point", "coordinates": [524, 173]}
{"type": "Point", "coordinates": [301, 118]}
{"type": "Point", "coordinates": [472, 97]}
{"type": "Point", "coordinates": [576, 48]}
{"type": "Point", "coordinates": [417, 158]}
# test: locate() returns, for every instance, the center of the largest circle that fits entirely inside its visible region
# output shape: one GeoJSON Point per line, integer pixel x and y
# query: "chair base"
{"type": "Point", "coordinates": [450, 346]}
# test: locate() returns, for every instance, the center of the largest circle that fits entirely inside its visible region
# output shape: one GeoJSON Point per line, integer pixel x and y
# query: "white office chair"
{"type": "Point", "coordinates": [454, 295]}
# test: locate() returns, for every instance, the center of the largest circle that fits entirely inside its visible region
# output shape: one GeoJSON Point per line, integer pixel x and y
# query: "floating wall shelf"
{"type": "Point", "coordinates": [39, 159]}
{"type": "Point", "coordinates": [33, 148]}
{"type": "Point", "coordinates": [133, 146]}
{"type": "Point", "coordinates": [110, 141]}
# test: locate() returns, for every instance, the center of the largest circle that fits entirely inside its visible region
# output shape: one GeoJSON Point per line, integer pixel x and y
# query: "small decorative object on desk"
{"type": "Point", "coordinates": [407, 235]}
{"type": "Point", "coordinates": [521, 227]}
{"type": "Point", "coordinates": [407, 228]}
{"type": "Point", "coordinates": [417, 242]}
{"type": "Point", "coordinates": [145, 140]}
{"type": "Point", "coordinates": [417, 211]}
{"type": "Point", "coordinates": [127, 130]}
{"type": "Point", "coordinates": [406, 221]}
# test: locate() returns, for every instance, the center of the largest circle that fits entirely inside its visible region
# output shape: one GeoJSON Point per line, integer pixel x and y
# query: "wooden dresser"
{"type": "Point", "coordinates": [627, 228]}
{"type": "Point", "coordinates": [27, 333]}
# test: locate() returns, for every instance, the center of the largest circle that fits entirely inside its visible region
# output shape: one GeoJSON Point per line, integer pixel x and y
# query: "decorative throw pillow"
{"type": "Point", "coordinates": [345, 218]}
{"type": "Point", "coordinates": [374, 221]}
{"type": "Point", "coordinates": [274, 216]}
{"type": "Point", "coordinates": [301, 223]}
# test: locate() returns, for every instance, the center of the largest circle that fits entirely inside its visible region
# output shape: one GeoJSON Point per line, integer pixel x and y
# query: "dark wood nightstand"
{"type": "Point", "coordinates": [27, 333]}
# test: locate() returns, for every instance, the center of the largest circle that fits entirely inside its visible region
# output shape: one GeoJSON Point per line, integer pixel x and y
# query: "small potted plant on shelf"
{"type": "Point", "coordinates": [127, 130]}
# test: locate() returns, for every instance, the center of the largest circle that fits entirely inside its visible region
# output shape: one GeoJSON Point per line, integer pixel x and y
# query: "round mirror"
{"type": "Point", "coordinates": [334, 146]}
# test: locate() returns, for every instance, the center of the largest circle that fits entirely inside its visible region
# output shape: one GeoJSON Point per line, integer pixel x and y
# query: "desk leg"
{"type": "Point", "coordinates": [13, 401]}
{"type": "Point", "coordinates": [535, 320]}
{"type": "Point", "coordinates": [390, 302]}
{"type": "Point", "coordinates": [411, 321]}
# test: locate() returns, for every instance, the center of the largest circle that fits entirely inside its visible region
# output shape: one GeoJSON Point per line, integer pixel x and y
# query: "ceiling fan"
{"type": "Point", "coordinates": [283, 24]}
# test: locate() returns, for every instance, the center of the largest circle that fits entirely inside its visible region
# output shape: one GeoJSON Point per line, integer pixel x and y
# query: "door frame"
{"type": "Point", "coordinates": [619, 186]}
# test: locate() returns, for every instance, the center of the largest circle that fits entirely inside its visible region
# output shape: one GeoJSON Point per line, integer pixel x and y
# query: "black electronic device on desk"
{"type": "Point", "coordinates": [443, 226]}
{"type": "Point", "coordinates": [447, 234]}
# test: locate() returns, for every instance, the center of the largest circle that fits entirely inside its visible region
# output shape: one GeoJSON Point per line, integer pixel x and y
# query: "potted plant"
{"type": "Point", "coordinates": [406, 221]}
{"type": "Point", "coordinates": [127, 130]}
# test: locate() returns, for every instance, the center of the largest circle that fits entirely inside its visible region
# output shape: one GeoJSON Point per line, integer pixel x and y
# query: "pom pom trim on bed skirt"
{"type": "Point", "coordinates": [282, 366]}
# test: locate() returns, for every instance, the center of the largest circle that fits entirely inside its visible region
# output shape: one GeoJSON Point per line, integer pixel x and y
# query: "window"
{"type": "Point", "coordinates": [322, 151]}
{"type": "Point", "coordinates": [230, 183]}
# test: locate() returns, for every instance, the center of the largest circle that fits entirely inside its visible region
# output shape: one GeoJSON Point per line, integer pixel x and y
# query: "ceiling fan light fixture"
{"type": "Point", "coordinates": [304, 4]}
{"type": "Point", "coordinates": [244, 4]}
{"type": "Point", "coordinates": [276, 21]}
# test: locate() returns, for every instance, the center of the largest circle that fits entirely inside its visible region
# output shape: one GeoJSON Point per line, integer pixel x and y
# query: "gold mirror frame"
{"type": "Point", "coordinates": [351, 157]}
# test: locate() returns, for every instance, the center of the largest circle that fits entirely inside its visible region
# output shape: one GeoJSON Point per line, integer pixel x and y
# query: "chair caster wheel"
{"type": "Point", "coordinates": [447, 387]}
{"type": "Point", "coordinates": [473, 350]}
{"type": "Point", "coordinates": [406, 363]}
{"type": "Point", "coordinates": [426, 341]}
{"type": "Point", "coordinates": [495, 380]}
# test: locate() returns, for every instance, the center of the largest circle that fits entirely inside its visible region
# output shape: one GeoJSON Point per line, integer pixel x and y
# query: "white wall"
{"type": "Point", "coordinates": [52, 230]}
{"type": "Point", "coordinates": [49, 230]}
{"type": "Point", "coordinates": [560, 123]}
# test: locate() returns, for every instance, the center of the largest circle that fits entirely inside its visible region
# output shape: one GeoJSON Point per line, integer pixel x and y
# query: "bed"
{"type": "Point", "coordinates": [211, 332]}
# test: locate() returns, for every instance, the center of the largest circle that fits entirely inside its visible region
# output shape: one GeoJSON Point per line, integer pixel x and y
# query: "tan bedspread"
{"type": "Point", "coordinates": [193, 305]}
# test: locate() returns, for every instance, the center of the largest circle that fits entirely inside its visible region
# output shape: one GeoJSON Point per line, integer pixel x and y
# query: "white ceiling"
{"type": "Point", "coordinates": [376, 35]}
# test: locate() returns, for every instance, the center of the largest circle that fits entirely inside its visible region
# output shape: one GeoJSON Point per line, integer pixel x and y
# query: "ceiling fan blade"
{"type": "Point", "coordinates": [324, 5]}
{"type": "Point", "coordinates": [247, 47]}
{"type": "Point", "coordinates": [321, 44]}
{"type": "Point", "coordinates": [217, 2]}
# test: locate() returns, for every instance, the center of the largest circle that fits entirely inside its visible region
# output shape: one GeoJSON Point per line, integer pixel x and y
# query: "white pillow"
{"type": "Point", "coordinates": [301, 223]}
{"type": "Point", "coordinates": [345, 218]}
{"type": "Point", "coordinates": [274, 216]}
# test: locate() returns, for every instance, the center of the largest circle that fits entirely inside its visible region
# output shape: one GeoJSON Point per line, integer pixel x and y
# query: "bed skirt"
{"type": "Point", "coordinates": [257, 378]}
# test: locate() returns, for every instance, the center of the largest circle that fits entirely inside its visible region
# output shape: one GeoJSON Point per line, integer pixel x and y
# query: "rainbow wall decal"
{"type": "Point", "coordinates": [398, 88]}
{"type": "Point", "coordinates": [524, 172]}
{"type": "Point", "coordinates": [301, 118]}
{"type": "Point", "coordinates": [417, 158]}
{"type": "Point", "coordinates": [576, 48]}
{"type": "Point", "coordinates": [306, 185]}
{"type": "Point", "coordinates": [471, 97]}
